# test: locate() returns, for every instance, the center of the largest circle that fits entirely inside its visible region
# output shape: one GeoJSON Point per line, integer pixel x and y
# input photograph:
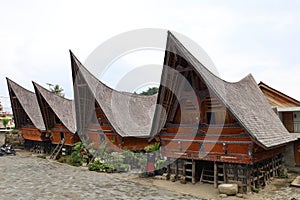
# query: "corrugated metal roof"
{"type": "Point", "coordinates": [129, 114]}
{"type": "Point", "coordinates": [62, 107]}
{"type": "Point", "coordinates": [29, 104]}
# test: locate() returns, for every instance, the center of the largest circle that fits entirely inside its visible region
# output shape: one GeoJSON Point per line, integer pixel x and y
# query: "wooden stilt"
{"type": "Point", "coordinates": [225, 173]}
{"type": "Point", "coordinates": [215, 175]}
{"type": "Point", "coordinates": [193, 172]}
{"type": "Point", "coordinates": [183, 168]}
{"type": "Point", "coordinates": [273, 167]}
{"type": "Point", "coordinates": [176, 169]}
{"type": "Point", "coordinates": [201, 177]}
{"type": "Point", "coordinates": [169, 167]}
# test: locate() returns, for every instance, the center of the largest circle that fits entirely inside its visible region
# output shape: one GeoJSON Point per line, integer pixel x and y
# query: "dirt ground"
{"type": "Point", "coordinates": [277, 189]}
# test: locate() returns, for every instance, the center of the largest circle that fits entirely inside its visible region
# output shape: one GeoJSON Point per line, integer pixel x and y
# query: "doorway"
{"type": "Point", "coordinates": [287, 119]}
{"type": "Point", "coordinates": [297, 152]}
{"type": "Point", "coordinates": [62, 136]}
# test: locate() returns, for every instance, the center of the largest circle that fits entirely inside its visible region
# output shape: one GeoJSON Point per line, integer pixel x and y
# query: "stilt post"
{"type": "Point", "coordinates": [215, 175]}
{"type": "Point", "coordinates": [193, 171]}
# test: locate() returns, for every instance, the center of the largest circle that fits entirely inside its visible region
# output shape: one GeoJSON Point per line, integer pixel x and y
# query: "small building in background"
{"type": "Point", "coordinates": [288, 110]}
{"type": "Point", "coordinates": [28, 118]}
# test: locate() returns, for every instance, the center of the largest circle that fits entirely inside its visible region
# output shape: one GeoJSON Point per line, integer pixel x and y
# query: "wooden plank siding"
{"type": "Point", "coordinates": [114, 140]}
{"type": "Point", "coordinates": [58, 130]}
{"type": "Point", "coordinates": [99, 134]}
{"type": "Point", "coordinates": [32, 133]}
{"type": "Point", "coordinates": [288, 121]}
{"type": "Point", "coordinates": [227, 144]}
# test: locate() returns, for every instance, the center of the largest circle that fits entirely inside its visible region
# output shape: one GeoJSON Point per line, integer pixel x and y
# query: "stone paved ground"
{"type": "Point", "coordinates": [284, 193]}
{"type": "Point", "coordinates": [26, 177]}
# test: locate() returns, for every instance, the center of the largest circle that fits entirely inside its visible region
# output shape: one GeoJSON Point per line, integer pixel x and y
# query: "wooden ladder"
{"type": "Point", "coordinates": [57, 150]}
{"type": "Point", "coordinates": [207, 175]}
{"type": "Point", "coordinates": [213, 174]}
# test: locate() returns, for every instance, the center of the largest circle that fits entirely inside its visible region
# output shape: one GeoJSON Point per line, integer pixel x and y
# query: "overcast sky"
{"type": "Point", "coordinates": [241, 37]}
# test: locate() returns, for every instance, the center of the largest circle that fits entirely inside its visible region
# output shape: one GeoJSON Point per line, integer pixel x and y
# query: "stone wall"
{"type": "Point", "coordinates": [289, 159]}
{"type": "Point", "coordinates": [15, 138]}
{"type": "Point", "coordinates": [2, 138]}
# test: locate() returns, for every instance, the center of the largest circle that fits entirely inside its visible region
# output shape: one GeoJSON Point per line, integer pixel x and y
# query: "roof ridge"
{"type": "Point", "coordinates": [34, 112]}
{"type": "Point", "coordinates": [68, 119]}
{"type": "Point", "coordinates": [105, 85]}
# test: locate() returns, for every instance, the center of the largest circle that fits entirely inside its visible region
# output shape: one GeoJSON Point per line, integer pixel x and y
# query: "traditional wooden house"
{"type": "Point", "coordinates": [59, 117]}
{"type": "Point", "coordinates": [103, 114]}
{"type": "Point", "coordinates": [288, 110]}
{"type": "Point", "coordinates": [28, 118]}
{"type": "Point", "coordinates": [215, 131]}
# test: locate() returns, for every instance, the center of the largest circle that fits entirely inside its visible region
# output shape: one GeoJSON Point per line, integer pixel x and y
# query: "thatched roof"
{"type": "Point", "coordinates": [243, 99]}
{"type": "Point", "coordinates": [28, 101]}
{"type": "Point", "coordinates": [63, 108]}
{"type": "Point", "coordinates": [129, 114]}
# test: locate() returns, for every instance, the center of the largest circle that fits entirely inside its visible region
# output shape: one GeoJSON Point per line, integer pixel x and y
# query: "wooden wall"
{"type": "Point", "coordinates": [98, 134]}
{"type": "Point", "coordinates": [115, 141]}
{"type": "Point", "coordinates": [224, 145]}
{"type": "Point", "coordinates": [60, 130]}
{"type": "Point", "coordinates": [32, 133]}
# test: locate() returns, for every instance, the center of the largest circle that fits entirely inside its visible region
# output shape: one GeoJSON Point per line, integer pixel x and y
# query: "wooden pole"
{"type": "Point", "coordinates": [183, 168]}
{"type": "Point", "coordinates": [224, 173]}
{"type": "Point", "coordinates": [215, 175]}
{"type": "Point", "coordinates": [273, 168]}
{"type": "Point", "coordinates": [202, 172]}
{"type": "Point", "coordinates": [176, 169]}
{"type": "Point", "coordinates": [193, 171]}
{"type": "Point", "coordinates": [169, 167]}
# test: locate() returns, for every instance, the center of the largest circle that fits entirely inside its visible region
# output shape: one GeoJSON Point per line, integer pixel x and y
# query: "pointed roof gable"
{"type": "Point", "coordinates": [129, 114]}
{"type": "Point", "coordinates": [277, 98]}
{"type": "Point", "coordinates": [63, 108]}
{"type": "Point", "coordinates": [243, 99]}
{"type": "Point", "coordinates": [28, 101]}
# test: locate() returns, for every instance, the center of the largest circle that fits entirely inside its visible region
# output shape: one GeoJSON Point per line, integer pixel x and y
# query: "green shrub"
{"type": "Point", "coordinates": [110, 168]}
{"type": "Point", "coordinates": [256, 190]}
{"type": "Point", "coordinates": [74, 159]}
{"type": "Point", "coordinates": [160, 164]}
{"type": "Point", "coordinates": [283, 173]}
{"type": "Point", "coordinates": [79, 155]}
{"type": "Point", "coordinates": [96, 166]}
{"type": "Point", "coordinates": [152, 148]}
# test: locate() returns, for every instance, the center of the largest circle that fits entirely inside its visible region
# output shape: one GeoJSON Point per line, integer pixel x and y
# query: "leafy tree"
{"type": "Point", "coordinates": [56, 89]}
{"type": "Point", "coordinates": [150, 91]}
{"type": "Point", "coordinates": [5, 122]}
